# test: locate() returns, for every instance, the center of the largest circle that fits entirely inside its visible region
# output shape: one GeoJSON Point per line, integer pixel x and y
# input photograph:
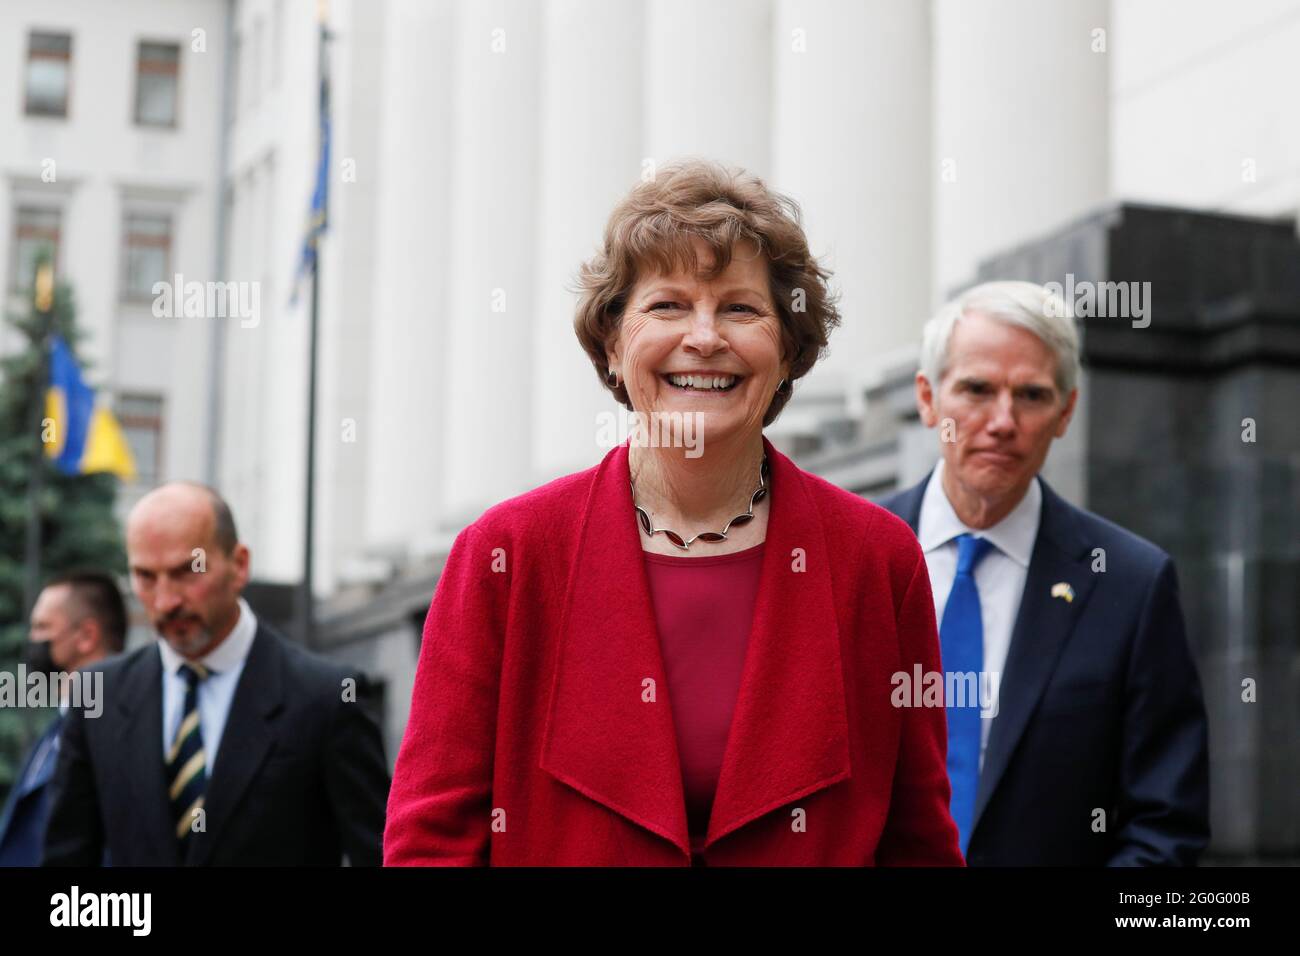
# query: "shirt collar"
{"type": "Point", "coordinates": [1014, 535]}
{"type": "Point", "coordinates": [228, 654]}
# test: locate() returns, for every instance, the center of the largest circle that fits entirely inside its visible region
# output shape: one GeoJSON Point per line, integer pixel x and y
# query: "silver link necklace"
{"type": "Point", "coordinates": [711, 536]}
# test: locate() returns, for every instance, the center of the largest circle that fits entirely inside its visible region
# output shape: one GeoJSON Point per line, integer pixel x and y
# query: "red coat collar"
{"type": "Point", "coordinates": [789, 735]}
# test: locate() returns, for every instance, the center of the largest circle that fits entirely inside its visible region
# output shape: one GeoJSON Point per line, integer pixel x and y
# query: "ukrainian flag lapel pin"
{"type": "Point", "coordinates": [1063, 590]}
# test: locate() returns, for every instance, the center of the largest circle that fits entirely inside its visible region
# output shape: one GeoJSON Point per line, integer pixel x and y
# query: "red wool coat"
{"type": "Point", "coordinates": [533, 739]}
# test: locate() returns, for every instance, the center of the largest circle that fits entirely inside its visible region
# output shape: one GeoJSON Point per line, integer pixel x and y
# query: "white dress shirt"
{"type": "Point", "coordinates": [999, 577]}
{"type": "Point", "coordinates": [216, 692]}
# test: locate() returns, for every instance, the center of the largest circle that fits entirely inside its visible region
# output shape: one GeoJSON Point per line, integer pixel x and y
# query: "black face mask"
{"type": "Point", "coordinates": [38, 656]}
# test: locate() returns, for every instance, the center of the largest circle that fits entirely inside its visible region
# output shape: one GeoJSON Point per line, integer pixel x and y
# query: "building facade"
{"type": "Point", "coordinates": [111, 159]}
{"type": "Point", "coordinates": [477, 149]}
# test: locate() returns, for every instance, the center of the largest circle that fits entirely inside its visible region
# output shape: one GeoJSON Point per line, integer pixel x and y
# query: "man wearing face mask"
{"type": "Point", "coordinates": [78, 619]}
{"type": "Point", "coordinates": [220, 743]}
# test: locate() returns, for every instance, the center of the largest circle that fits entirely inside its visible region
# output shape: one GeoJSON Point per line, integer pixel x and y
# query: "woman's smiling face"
{"type": "Point", "coordinates": [712, 347]}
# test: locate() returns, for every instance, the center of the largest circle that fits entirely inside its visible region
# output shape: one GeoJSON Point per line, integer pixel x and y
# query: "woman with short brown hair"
{"type": "Point", "coordinates": [686, 654]}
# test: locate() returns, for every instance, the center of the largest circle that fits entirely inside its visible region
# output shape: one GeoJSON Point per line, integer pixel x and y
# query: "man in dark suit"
{"type": "Point", "coordinates": [78, 619]}
{"type": "Point", "coordinates": [1092, 748]}
{"type": "Point", "coordinates": [220, 743]}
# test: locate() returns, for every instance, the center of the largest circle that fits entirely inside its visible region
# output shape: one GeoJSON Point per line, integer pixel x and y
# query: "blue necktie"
{"type": "Point", "coordinates": [961, 636]}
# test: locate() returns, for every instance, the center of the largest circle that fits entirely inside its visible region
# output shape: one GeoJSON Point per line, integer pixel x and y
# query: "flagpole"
{"type": "Point", "coordinates": [307, 610]}
{"type": "Point", "coordinates": [44, 303]}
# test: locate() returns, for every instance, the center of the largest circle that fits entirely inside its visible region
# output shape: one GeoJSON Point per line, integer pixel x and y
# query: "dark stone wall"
{"type": "Point", "coordinates": [1165, 457]}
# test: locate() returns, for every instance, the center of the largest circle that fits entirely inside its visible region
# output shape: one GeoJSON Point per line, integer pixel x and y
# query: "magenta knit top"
{"type": "Point", "coordinates": [704, 608]}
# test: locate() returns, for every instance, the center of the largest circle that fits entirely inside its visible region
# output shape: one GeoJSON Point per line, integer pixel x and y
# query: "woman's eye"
{"type": "Point", "coordinates": [742, 307]}
{"type": "Point", "coordinates": [663, 306]}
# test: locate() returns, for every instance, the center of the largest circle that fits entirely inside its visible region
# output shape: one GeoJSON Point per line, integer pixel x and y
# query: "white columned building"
{"type": "Point", "coordinates": [919, 138]}
{"type": "Point", "coordinates": [345, 417]}
{"type": "Point", "coordinates": [708, 81]}
{"type": "Point", "coordinates": [1022, 145]}
{"type": "Point", "coordinates": [1021, 120]}
{"type": "Point", "coordinates": [488, 366]}
{"type": "Point", "coordinates": [272, 153]}
{"type": "Point", "coordinates": [593, 82]}
{"type": "Point", "coordinates": [851, 143]}
{"type": "Point", "coordinates": [410, 316]}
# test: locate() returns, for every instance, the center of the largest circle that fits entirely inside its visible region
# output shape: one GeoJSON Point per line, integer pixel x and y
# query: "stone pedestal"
{"type": "Point", "coordinates": [1192, 440]}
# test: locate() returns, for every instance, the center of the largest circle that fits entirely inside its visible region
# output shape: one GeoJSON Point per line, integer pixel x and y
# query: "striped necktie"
{"type": "Point", "coordinates": [961, 638]}
{"type": "Point", "coordinates": [187, 777]}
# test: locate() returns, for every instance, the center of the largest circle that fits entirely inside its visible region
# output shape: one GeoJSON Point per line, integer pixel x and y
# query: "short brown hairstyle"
{"type": "Point", "coordinates": [653, 228]}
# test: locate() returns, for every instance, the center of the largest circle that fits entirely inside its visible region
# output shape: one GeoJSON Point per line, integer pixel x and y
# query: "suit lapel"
{"type": "Point", "coordinates": [28, 782]}
{"type": "Point", "coordinates": [140, 743]}
{"type": "Point", "coordinates": [907, 504]}
{"type": "Point", "coordinates": [603, 736]}
{"type": "Point", "coordinates": [789, 735]}
{"type": "Point", "coordinates": [46, 751]}
{"type": "Point", "coordinates": [1043, 625]}
{"type": "Point", "coordinates": [246, 741]}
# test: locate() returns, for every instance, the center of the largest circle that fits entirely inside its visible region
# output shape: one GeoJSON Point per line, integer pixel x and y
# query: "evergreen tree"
{"type": "Point", "coordinates": [78, 525]}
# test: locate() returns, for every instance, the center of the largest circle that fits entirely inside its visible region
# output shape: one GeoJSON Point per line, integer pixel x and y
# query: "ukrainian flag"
{"type": "Point", "coordinates": [318, 218]}
{"type": "Point", "coordinates": [80, 437]}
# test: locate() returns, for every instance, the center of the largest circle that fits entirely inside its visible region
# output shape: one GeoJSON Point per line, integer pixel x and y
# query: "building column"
{"type": "Point", "coordinates": [1021, 125]}
{"type": "Point", "coordinates": [590, 157]}
{"type": "Point", "coordinates": [488, 366]}
{"type": "Point", "coordinates": [851, 143]}
{"type": "Point", "coordinates": [410, 319]}
{"type": "Point", "coordinates": [708, 82]}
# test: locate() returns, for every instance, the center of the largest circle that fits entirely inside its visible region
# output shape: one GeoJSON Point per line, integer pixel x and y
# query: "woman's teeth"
{"type": "Point", "coordinates": [703, 382]}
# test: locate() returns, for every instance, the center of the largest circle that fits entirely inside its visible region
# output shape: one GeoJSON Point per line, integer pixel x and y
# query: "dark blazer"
{"type": "Point", "coordinates": [1100, 707]}
{"type": "Point", "coordinates": [532, 740]}
{"type": "Point", "coordinates": [300, 777]}
{"type": "Point", "coordinates": [22, 825]}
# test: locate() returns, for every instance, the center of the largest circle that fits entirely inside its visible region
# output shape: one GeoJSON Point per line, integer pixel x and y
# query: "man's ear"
{"type": "Point", "coordinates": [1067, 413]}
{"type": "Point", "coordinates": [241, 559]}
{"type": "Point", "coordinates": [90, 637]}
{"type": "Point", "coordinates": [925, 401]}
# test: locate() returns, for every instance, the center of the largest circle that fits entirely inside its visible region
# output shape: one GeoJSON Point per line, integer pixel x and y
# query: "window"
{"type": "Point", "coordinates": [49, 73]}
{"type": "Point", "coordinates": [36, 230]}
{"type": "Point", "coordinates": [156, 74]}
{"type": "Point", "coordinates": [146, 253]}
{"type": "Point", "coordinates": [141, 419]}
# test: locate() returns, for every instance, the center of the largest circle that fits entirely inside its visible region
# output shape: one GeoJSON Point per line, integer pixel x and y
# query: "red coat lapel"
{"type": "Point", "coordinates": [601, 738]}
{"type": "Point", "coordinates": [789, 735]}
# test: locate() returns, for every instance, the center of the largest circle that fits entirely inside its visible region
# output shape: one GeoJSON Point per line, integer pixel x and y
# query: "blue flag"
{"type": "Point", "coordinates": [80, 438]}
{"type": "Point", "coordinates": [319, 214]}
